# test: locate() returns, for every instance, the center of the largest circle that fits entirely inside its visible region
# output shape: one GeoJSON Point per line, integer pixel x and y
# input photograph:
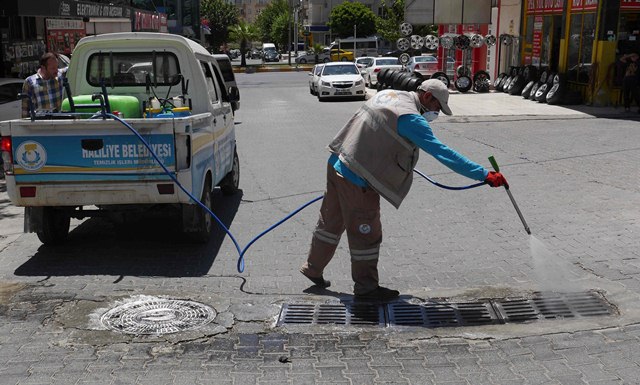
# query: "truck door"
{"type": "Point", "coordinates": [221, 120]}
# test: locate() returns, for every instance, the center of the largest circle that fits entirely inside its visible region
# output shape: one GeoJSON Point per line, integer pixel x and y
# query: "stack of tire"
{"type": "Point", "coordinates": [548, 88]}
{"type": "Point", "coordinates": [504, 79]}
{"type": "Point", "coordinates": [398, 80]}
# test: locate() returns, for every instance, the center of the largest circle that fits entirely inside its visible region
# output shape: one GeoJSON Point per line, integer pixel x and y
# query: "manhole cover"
{"type": "Point", "coordinates": [157, 316]}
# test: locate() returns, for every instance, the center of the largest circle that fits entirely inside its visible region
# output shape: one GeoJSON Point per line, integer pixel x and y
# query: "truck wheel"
{"type": "Point", "coordinates": [55, 226]}
{"type": "Point", "coordinates": [231, 181]}
{"type": "Point", "coordinates": [204, 219]}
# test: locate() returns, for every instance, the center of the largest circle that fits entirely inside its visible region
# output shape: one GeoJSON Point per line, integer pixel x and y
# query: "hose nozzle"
{"type": "Point", "coordinates": [494, 164]}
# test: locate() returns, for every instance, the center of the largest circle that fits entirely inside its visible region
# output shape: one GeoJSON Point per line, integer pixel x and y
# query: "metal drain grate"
{"type": "Point", "coordinates": [157, 316]}
{"type": "Point", "coordinates": [339, 314]}
{"type": "Point", "coordinates": [552, 306]}
{"type": "Point", "coordinates": [449, 314]}
{"type": "Point", "coordinates": [438, 314]}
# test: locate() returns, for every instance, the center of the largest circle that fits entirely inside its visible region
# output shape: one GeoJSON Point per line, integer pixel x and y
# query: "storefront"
{"type": "Point", "coordinates": [583, 40]}
{"type": "Point", "coordinates": [29, 28]}
{"type": "Point", "coordinates": [543, 21]}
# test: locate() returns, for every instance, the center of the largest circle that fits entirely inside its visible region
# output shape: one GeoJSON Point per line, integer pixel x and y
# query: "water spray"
{"type": "Point", "coordinates": [513, 201]}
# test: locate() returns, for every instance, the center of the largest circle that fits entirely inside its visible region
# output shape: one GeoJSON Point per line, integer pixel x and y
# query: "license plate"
{"type": "Point", "coordinates": [339, 92]}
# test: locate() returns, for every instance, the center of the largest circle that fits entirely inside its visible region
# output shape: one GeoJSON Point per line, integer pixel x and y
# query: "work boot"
{"type": "Point", "coordinates": [379, 294]}
{"type": "Point", "coordinates": [318, 281]}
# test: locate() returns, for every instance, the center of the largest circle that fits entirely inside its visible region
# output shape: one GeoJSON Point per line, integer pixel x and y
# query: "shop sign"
{"type": "Point", "coordinates": [536, 48]}
{"type": "Point", "coordinates": [629, 5]}
{"type": "Point", "coordinates": [146, 21]}
{"type": "Point", "coordinates": [545, 6]}
{"type": "Point", "coordinates": [74, 8]}
{"type": "Point", "coordinates": [63, 34]}
{"type": "Point", "coordinates": [64, 24]}
{"type": "Point", "coordinates": [584, 5]}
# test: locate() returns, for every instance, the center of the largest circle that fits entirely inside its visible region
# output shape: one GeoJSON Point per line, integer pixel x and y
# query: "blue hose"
{"type": "Point", "coordinates": [448, 187]}
{"type": "Point", "coordinates": [242, 251]}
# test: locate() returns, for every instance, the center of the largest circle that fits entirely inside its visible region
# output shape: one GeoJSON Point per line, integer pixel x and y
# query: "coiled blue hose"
{"type": "Point", "coordinates": [242, 251]}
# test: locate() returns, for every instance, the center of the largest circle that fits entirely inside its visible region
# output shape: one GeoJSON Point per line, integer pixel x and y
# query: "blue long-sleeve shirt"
{"type": "Point", "coordinates": [416, 129]}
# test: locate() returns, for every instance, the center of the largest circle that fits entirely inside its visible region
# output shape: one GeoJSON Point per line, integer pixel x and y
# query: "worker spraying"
{"type": "Point", "coordinates": [373, 155]}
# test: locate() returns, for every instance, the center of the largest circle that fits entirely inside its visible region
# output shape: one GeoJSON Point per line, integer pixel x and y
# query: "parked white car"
{"type": "Point", "coordinates": [10, 103]}
{"type": "Point", "coordinates": [378, 63]}
{"type": "Point", "coordinates": [364, 61]}
{"type": "Point", "coordinates": [314, 75]}
{"type": "Point", "coordinates": [340, 79]}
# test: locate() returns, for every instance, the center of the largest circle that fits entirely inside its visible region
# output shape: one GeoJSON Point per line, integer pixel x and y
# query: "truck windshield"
{"type": "Point", "coordinates": [131, 69]}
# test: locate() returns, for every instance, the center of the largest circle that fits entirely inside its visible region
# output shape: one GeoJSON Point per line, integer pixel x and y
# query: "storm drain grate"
{"type": "Point", "coordinates": [157, 316]}
{"type": "Point", "coordinates": [439, 314]}
{"type": "Point", "coordinates": [434, 314]}
{"type": "Point", "coordinates": [552, 306]}
{"type": "Point", "coordinates": [339, 314]}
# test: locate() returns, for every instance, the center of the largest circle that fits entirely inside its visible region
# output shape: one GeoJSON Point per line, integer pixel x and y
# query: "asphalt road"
{"type": "Point", "coordinates": [574, 177]}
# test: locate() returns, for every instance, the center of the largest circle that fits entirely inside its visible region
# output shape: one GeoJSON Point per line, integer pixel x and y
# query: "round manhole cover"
{"type": "Point", "coordinates": [157, 316]}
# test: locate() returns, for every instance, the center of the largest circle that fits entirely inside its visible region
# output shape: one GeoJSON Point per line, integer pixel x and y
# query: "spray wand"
{"type": "Point", "coordinates": [513, 201]}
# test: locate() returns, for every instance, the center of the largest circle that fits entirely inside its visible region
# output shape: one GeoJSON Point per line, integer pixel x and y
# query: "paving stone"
{"type": "Point", "coordinates": [331, 374]}
{"type": "Point", "coordinates": [361, 379]}
{"type": "Point", "coordinates": [389, 375]}
{"type": "Point", "coordinates": [361, 366]}
{"type": "Point", "coordinates": [329, 360]}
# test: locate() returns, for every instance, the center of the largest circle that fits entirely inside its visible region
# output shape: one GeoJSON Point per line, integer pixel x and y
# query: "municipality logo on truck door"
{"type": "Point", "coordinates": [31, 156]}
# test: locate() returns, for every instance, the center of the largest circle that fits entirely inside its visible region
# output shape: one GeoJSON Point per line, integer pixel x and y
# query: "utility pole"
{"type": "Point", "coordinates": [289, 34]}
{"type": "Point", "coordinates": [296, 10]}
{"type": "Point", "coordinates": [355, 43]}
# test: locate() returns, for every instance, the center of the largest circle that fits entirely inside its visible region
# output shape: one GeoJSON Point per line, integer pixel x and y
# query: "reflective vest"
{"type": "Point", "coordinates": [370, 146]}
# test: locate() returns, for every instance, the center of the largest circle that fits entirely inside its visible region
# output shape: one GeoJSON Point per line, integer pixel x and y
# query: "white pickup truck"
{"type": "Point", "coordinates": [79, 165]}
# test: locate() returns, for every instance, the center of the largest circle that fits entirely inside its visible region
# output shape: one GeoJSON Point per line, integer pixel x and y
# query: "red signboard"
{"type": "Point", "coordinates": [146, 21]}
{"type": "Point", "coordinates": [63, 34]}
{"type": "Point", "coordinates": [584, 5]}
{"type": "Point", "coordinates": [545, 6]}
{"type": "Point", "coordinates": [629, 5]}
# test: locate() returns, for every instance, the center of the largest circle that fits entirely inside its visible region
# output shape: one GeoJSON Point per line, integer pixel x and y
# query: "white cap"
{"type": "Point", "coordinates": [439, 91]}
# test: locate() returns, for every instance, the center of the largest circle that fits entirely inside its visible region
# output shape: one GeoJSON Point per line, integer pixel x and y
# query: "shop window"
{"type": "Point", "coordinates": [581, 38]}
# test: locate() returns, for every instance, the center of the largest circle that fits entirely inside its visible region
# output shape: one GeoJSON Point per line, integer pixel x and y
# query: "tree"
{"type": "Point", "coordinates": [267, 18]}
{"type": "Point", "coordinates": [243, 33]}
{"type": "Point", "coordinates": [280, 30]}
{"type": "Point", "coordinates": [347, 15]}
{"type": "Point", "coordinates": [219, 15]}
{"type": "Point", "coordinates": [388, 25]}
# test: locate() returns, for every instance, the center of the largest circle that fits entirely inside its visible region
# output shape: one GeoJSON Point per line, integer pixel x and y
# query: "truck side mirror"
{"type": "Point", "coordinates": [234, 94]}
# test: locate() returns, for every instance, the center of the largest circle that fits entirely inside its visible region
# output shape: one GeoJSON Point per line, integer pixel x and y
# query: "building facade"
{"type": "Point", "coordinates": [250, 9]}
{"type": "Point", "coordinates": [29, 28]}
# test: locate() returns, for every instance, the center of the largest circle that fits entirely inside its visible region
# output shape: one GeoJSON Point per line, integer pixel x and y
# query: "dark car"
{"type": "Point", "coordinates": [270, 55]}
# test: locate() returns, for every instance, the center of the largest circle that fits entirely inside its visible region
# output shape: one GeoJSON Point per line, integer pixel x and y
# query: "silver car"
{"type": "Point", "coordinates": [310, 57]}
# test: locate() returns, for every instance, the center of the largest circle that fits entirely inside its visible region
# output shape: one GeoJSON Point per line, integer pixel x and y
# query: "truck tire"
{"type": "Point", "coordinates": [55, 226]}
{"type": "Point", "coordinates": [230, 183]}
{"type": "Point", "coordinates": [204, 221]}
